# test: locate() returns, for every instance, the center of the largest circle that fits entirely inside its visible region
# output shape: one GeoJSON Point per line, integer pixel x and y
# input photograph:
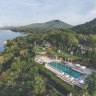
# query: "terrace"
{"type": "Point", "coordinates": [39, 49]}
{"type": "Point", "coordinates": [59, 54]}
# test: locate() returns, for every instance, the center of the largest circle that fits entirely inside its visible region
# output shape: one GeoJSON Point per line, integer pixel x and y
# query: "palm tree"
{"type": "Point", "coordinates": [23, 53]}
{"type": "Point", "coordinates": [1, 62]}
{"type": "Point", "coordinates": [1, 59]}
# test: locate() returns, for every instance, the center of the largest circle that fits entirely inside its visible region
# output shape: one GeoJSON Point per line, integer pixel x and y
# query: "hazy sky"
{"type": "Point", "coordinates": [23, 12]}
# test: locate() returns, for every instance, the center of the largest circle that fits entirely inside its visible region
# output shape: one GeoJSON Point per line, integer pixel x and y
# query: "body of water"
{"type": "Point", "coordinates": [68, 70]}
{"type": "Point", "coordinates": [6, 35]}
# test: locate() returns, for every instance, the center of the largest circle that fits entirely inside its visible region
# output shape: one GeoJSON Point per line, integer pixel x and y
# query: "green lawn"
{"type": "Point", "coordinates": [55, 52]}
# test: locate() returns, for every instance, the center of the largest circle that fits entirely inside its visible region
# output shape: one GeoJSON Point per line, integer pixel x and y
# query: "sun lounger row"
{"type": "Point", "coordinates": [69, 79]}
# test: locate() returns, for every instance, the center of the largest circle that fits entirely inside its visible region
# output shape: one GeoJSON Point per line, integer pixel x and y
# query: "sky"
{"type": "Point", "coordinates": [23, 12]}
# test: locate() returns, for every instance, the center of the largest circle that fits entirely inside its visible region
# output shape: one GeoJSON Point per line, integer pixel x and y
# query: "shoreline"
{"type": "Point", "coordinates": [11, 37]}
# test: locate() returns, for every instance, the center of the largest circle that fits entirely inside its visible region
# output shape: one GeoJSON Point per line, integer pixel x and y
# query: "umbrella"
{"type": "Point", "coordinates": [39, 59]}
{"type": "Point", "coordinates": [70, 64]}
{"type": "Point", "coordinates": [71, 78]}
{"type": "Point", "coordinates": [62, 73]}
{"type": "Point", "coordinates": [67, 76]}
{"type": "Point", "coordinates": [81, 81]}
{"type": "Point", "coordinates": [83, 67]}
{"type": "Point", "coordinates": [58, 50]}
{"type": "Point", "coordinates": [77, 65]}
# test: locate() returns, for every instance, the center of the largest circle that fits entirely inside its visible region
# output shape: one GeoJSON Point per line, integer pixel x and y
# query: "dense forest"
{"type": "Point", "coordinates": [20, 75]}
{"type": "Point", "coordinates": [87, 28]}
{"type": "Point", "coordinates": [42, 27]}
{"type": "Point", "coordinates": [24, 77]}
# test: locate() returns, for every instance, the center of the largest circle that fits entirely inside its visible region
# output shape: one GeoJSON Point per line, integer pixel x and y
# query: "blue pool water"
{"type": "Point", "coordinates": [64, 68]}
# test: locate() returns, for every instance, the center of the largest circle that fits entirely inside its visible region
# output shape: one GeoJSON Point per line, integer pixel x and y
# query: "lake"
{"type": "Point", "coordinates": [7, 34]}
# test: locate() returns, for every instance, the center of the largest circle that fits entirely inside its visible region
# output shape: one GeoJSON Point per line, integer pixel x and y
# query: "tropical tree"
{"type": "Point", "coordinates": [39, 85]}
{"type": "Point", "coordinates": [23, 53]}
{"type": "Point", "coordinates": [1, 62]}
{"type": "Point", "coordinates": [93, 57]}
{"type": "Point", "coordinates": [92, 81]}
{"type": "Point", "coordinates": [92, 41]}
{"type": "Point", "coordinates": [84, 91]}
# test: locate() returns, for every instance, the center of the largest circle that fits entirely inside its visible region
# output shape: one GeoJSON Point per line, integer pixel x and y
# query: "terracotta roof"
{"type": "Point", "coordinates": [46, 54]}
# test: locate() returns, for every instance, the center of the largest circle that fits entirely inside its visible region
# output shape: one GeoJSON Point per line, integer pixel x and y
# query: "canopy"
{"type": "Point", "coordinates": [71, 78]}
{"type": "Point", "coordinates": [83, 67]}
{"type": "Point", "coordinates": [67, 76]}
{"type": "Point", "coordinates": [81, 81]}
{"type": "Point", "coordinates": [58, 50]}
{"type": "Point", "coordinates": [62, 73]}
{"type": "Point", "coordinates": [39, 59]}
{"type": "Point", "coordinates": [69, 63]}
{"type": "Point", "coordinates": [77, 65]}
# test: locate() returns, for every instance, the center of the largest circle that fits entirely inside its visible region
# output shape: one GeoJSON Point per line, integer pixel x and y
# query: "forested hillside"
{"type": "Point", "coordinates": [87, 28]}
{"type": "Point", "coordinates": [20, 75]}
{"type": "Point", "coordinates": [43, 27]}
{"type": "Point", "coordinates": [24, 77]}
{"type": "Point", "coordinates": [54, 24]}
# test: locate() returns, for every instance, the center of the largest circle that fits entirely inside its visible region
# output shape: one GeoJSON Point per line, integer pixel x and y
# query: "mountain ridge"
{"type": "Point", "coordinates": [86, 28]}
{"type": "Point", "coordinates": [53, 24]}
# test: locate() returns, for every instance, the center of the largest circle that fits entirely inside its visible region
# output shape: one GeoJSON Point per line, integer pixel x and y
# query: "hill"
{"type": "Point", "coordinates": [43, 27]}
{"type": "Point", "coordinates": [54, 24]}
{"type": "Point", "coordinates": [86, 28]}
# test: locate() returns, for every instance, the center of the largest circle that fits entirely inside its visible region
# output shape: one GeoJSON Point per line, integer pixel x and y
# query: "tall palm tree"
{"type": "Point", "coordinates": [1, 62]}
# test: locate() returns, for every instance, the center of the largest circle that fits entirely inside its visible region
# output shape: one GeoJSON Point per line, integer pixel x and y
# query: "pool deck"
{"type": "Point", "coordinates": [87, 71]}
{"type": "Point", "coordinates": [62, 75]}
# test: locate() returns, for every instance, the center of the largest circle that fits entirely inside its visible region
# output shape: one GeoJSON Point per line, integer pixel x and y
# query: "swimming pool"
{"type": "Point", "coordinates": [64, 68]}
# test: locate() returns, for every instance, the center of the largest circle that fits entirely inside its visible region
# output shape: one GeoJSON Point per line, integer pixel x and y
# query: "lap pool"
{"type": "Point", "coordinates": [66, 69]}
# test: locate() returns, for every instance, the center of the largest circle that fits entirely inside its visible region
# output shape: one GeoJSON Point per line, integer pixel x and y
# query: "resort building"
{"type": "Point", "coordinates": [48, 45]}
{"type": "Point", "coordinates": [83, 44]}
{"type": "Point", "coordinates": [74, 74]}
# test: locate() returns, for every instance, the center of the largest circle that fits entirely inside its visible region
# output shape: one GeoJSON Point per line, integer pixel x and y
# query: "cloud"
{"type": "Point", "coordinates": [22, 12]}
{"type": "Point", "coordinates": [1, 25]}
